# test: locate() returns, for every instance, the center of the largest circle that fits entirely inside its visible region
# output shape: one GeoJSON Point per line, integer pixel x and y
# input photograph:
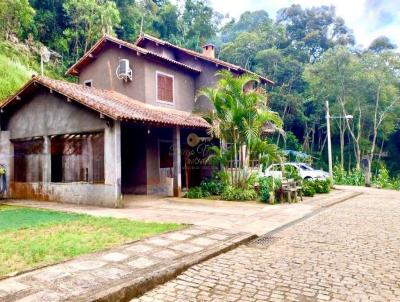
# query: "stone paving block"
{"type": "Point", "coordinates": [83, 265]}
{"type": "Point", "coordinates": [50, 274]}
{"type": "Point", "coordinates": [203, 241]}
{"type": "Point", "coordinates": [77, 284]}
{"type": "Point", "coordinates": [139, 248]}
{"type": "Point", "coordinates": [178, 236]}
{"type": "Point", "coordinates": [111, 273]}
{"type": "Point", "coordinates": [159, 241]}
{"type": "Point", "coordinates": [186, 248]}
{"type": "Point", "coordinates": [115, 257]}
{"type": "Point", "coordinates": [142, 262]}
{"type": "Point", "coordinates": [194, 231]}
{"type": "Point", "coordinates": [218, 236]}
{"type": "Point", "coordinates": [12, 286]}
{"type": "Point", "coordinates": [166, 254]}
{"type": "Point", "coordinates": [43, 296]}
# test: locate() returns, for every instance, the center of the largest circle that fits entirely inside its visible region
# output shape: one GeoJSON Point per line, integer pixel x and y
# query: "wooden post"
{"type": "Point", "coordinates": [176, 137]}
{"type": "Point", "coordinates": [117, 163]}
{"type": "Point", "coordinates": [46, 159]}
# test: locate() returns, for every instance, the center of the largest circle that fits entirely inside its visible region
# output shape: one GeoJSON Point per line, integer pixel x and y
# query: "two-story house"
{"type": "Point", "coordinates": [130, 125]}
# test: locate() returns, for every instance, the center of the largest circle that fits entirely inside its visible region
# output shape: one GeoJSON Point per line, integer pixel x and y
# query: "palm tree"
{"type": "Point", "coordinates": [238, 119]}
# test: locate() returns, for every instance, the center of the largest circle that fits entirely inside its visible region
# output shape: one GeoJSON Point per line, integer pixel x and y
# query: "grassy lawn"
{"type": "Point", "coordinates": [33, 237]}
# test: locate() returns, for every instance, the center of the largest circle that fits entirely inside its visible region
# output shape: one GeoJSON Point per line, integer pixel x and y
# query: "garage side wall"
{"type": "Point", "coordinates": [44, 115]}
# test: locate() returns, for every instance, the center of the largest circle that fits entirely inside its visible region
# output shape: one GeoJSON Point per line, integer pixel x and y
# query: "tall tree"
{"type": "Point", "coordinates": [248, 22]}
{"type": "Point", "coordinates": [88, 20]}
{"type": "Point", "coordinates": [381, 43]}
{"type": "Point", "coordinates": [49, 21]}
{"type": "Point", "coordinates": [199, 23]}
{"type": "Point", "coordinates": [15, 17]}
{"type": "Point", "coordinates": [315, 29]}
{"type": "Point", "coordinates": [365, 86]}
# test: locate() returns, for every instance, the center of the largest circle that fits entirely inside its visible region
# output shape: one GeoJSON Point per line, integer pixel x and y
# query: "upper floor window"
{"type": "Point", "coordinates": [165, 87]}
{"type": "Point", "coordinates": [88, 83]}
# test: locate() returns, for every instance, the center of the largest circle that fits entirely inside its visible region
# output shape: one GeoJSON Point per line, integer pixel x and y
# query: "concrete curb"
{"type": "Point", "coordinates": [138, 286]}
{"type": "Point", "coordinates": [343, 199]}
{"type": "Point", "coordinates": [313, 213]}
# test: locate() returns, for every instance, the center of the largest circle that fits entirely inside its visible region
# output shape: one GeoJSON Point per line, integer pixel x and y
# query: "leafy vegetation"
{"type": "Point", "coordinates": [13, 75]}
{"type": "Point", "coordinates": [322, 185]}
{"type": "Point", "coordinates": [266, 188]}
{"type": "Point", "coordinates": [316, 186]}
{"type": "Point", "coordinates": [238, 121]}
{"type": "Point", "coordinates": [31, 237]}
{"type": "Point", "coordinates": [355, 177]}
{"type": "Point", "coordinates": [238, 194]}
{"type": "Point", "coordinates": [197, 193]}
{"type": "Point", "coordinates": [308, 188]}
{"type": "Point", "coordinates": [17, 65]}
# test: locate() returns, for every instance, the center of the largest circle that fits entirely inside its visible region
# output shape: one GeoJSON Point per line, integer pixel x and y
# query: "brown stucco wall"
{"type": "Point", "coordinates": [45, 113]}
{"type": "Point", "coordinates": [143, 86]}
{"type": "Point", "coordinates": [183, 87]}
{"type": "Point", "coordinates": [102, 72]}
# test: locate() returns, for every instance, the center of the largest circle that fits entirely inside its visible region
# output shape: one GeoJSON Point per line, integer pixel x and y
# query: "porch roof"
{"type": "Point", "coordinates": [110, 103]}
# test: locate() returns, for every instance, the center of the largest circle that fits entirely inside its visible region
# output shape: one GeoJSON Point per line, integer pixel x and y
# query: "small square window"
{"type": "Point", "coordinates": [165, 88]}
{"type": "Point", "coordinates": [88, 83]}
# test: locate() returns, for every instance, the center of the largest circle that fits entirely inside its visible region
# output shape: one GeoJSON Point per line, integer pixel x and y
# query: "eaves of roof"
{"type": "Point", "coordinates": [196, 54]}
{"type": "Point", "coordinates": [90, 54]}
{"type": "Point", "coordinates": [111, 104]}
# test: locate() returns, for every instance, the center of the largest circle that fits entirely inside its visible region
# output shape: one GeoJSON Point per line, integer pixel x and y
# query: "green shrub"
{"type": "Point", "coordinates": [313, 186]}
{"type": "Point", "coordinates": [354, 177]}
{"type": "Point", "coordinates": [396, 184]}
{"type": "Point", "coordinates": [238, 194]}
{"type": "Point", "coordinates": [292, 172]}
{"type": "Point", "coordinates": [322, 186]}
{"type": "Point", "coordinates": [265, 187]}
{"type": "Point", "coordinates": [383, 180]}
{"type": "Point", "coordinates": [308, 188]}
{"type": "Point", "coordinates": [197, 192]}
{"type": "Point", "coordinates": [213, 187]}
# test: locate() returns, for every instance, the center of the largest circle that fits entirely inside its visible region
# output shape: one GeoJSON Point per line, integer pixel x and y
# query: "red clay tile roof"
{"type": "Point", "coordinates": [143, 36]}
{"type": "Point", "coordinates": [113, 104]}
{"type": "Point", "coordinates": [74, 69]}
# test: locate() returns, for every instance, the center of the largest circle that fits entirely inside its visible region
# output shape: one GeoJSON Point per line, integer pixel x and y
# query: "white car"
{"type": "Point", "coordinates": [305, 171]}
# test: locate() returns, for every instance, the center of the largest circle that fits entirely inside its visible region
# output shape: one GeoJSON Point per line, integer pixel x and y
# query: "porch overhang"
{"type": "Point", "coordinates": [110, 104]}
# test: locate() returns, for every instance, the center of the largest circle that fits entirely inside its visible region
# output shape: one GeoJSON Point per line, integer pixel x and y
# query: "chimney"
{"type": "Point", "coordinates": [209, 50]}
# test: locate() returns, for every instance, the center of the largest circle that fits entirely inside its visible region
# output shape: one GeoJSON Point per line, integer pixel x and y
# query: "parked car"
{"type": "Point", "coordinates": [305, 171]}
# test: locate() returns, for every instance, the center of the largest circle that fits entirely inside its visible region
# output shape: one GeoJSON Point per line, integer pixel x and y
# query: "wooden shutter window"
{"type": "Point", "coordinates": [165, 86]}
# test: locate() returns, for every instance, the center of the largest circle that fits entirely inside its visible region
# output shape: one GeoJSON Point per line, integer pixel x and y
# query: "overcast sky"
{"type": "Point", "coordinates": [368, 18]}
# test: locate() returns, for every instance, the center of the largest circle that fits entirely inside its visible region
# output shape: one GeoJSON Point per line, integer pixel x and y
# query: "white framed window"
{"type": "Point", "coordinates": [164, 88]}
{"type": "Point", "coordinates": [88, 83]}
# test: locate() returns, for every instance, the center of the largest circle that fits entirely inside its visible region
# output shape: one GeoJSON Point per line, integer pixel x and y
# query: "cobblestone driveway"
{"type": "Point", "coordinates": [350, 252]}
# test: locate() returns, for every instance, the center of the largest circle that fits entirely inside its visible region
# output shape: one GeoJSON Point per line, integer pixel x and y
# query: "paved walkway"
{"type": "Point", "coordinates": [349, 252]}
{"type": "Point", "coordinates": [121, 272]}
{"type": "Point", "coordinates": [254, 218]}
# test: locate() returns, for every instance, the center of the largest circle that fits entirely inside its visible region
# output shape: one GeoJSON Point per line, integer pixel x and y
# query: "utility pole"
{"type": "Point", "coordinates": [328, 133]}
{"type": "Point", "coordinates": [141, 26]}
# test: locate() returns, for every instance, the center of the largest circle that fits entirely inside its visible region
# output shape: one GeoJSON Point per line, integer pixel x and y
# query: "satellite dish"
{"type": "Point", "coordinates": [45, 54]}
